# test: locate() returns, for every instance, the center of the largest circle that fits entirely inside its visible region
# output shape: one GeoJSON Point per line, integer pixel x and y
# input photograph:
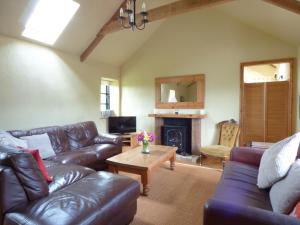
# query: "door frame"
{"type": "Point", "coordinates": [292, 91]}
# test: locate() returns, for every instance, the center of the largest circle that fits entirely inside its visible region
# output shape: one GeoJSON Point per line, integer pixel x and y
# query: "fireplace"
{"type": "Point", "coordinates": [177, 132]}
{"type": "Point", "coordinates": [191, 121]}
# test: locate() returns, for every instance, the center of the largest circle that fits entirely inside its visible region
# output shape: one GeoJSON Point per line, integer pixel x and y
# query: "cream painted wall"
{"type": "Point", "coordinates": [201, 42]}
{"type": "Point", "coordinates": [298, 92]}
{"type": "Point", "coordinates": [41, 87]}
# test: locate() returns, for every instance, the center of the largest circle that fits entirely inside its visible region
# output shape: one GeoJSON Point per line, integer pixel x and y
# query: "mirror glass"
{"type": "Point", "coordinates": [179, 92]}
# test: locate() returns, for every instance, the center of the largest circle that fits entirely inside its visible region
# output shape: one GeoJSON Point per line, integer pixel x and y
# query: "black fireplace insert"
{"type": "Point", "coordinates": [177, 132]}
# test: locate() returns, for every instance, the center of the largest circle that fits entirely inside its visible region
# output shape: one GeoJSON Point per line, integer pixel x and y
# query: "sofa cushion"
{"type": "Point", "coordinates": [27, 171]}
{"type": "Point", "coordinates": [94, 199]}
{"type": "Point", "coordinates": [79, 157]}
{"type": "Point", "coordinates": [8, 140]}
{"type": "Point", "coordinates": [29, 175]}
{"type": "Point", "coordinates": [285, 193]}
{"type": "Point", "coordinates": [81, 134]}
{"type": "Point", "coordinates": [36, 155]}
{"type": "Point", "coordinates": [296, 211]}
{"type": "Point", "coordinates": [277, 160]}
{"type": "Point", "coordinates": [12, 192]}
{"type": "Point", "coordinates": [238, 186]}
{"type": "Point", "coordinates": [40, 142]}
{"type": "Point", "coordinates": [64, 175]}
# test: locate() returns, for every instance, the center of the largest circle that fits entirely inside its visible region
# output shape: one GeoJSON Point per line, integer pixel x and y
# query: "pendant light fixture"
{"type": "Point", "coordinates": [130, 20]}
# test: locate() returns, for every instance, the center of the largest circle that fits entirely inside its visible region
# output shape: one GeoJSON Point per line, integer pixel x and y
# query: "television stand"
{"type": "Point", "coordinates": [129, 141]}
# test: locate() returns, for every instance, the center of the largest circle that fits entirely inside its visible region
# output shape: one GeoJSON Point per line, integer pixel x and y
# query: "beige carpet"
{"type": "Point", "coordinates": [176, 197]}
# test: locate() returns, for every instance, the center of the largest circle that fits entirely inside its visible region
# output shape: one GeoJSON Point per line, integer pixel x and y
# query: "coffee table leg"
{"type": "Point", "coordinates": [172, 162]}
{"type": "Point", "coordinates": [145, 177]}
{"type": "Point", "coordinates": [113, 169]}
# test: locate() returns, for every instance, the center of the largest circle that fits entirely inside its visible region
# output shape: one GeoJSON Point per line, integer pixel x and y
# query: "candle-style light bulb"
{"type": "Point", "coordinates": [131, 17]}
{"type": "Point", "coordinates": [121, 12]}
{"type": "Point", "coordinates": [128, 5]}
{"type": "Point", "coordinates": [144, 7]}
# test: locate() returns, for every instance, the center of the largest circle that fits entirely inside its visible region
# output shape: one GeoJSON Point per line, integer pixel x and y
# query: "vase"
{"type": "Point", "coordinates": [146, 148]}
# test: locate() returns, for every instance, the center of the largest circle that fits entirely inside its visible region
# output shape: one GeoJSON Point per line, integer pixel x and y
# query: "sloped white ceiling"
{"type": "Point", "coordinates": [117, 47]}
{"type": "Point", "coordinates": [268, 18]}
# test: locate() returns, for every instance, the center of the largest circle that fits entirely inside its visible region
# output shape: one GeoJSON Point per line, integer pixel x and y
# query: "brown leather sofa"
{"type": "Point", "coordinates": [77, 195]}
{"type": "Point", "coordinates": [78, 143]}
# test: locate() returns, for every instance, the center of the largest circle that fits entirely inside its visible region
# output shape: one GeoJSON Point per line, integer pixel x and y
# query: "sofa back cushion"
{"type": "Point", "coordinates": [285, 193]}
{"type": "Point", "coordinates": [277, 160]}
{"type": "Point", "coordinates": [58, 137]}
{"type": "Point", "coordinates": [81, 134]}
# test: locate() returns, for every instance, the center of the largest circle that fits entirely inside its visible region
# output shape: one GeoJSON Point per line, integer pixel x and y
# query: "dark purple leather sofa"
{"type": "Point", "coordinates": [237, 200]}
{"type": "Point", "coordinates": [78, 143]}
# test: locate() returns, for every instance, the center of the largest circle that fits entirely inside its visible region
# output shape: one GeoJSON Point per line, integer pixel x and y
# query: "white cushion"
{"type": "Point", "coordinates": [285, 193]}
{"type": "Point", "coordinates": [277, 160]}
{"type": "Point", "coordinates": [6, 139]}
{"type": "Point", "coordinates": [42, 143]}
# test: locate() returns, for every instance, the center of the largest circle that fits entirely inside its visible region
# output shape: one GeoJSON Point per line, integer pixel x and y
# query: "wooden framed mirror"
{"type": "Point", "coordinates": [184, 92]}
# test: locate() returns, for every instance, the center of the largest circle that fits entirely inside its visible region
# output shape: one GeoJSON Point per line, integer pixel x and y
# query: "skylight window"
{"type": "Point", "coordinates": [48, 20]}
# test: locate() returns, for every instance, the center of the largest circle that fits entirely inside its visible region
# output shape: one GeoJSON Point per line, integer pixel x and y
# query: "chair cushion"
{"type": "Point", "coordinates": [216, 150]}
{"type": "Point", "coordinates": [238, 186]}
{"type": "Point", "coordinates": [277, 160]}
{"type": "Point", "coordinates": [229, 133]}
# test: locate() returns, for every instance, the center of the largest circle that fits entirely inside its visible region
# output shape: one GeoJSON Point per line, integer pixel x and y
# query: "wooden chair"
{"type": "Point", "coordinates": [229, 133]}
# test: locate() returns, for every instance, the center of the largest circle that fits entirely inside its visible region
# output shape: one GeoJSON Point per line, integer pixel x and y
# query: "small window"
{"type": "Point", "coordinates": [105, 96]}
{"type": "Point", "coordinates": [109, 97]}
{"type": "Point", "coordinates": [267, 73]}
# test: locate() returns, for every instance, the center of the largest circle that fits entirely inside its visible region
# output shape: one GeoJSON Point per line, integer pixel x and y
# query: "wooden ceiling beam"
{"type": "Point", "coordinates": [291, 5]}
{"type": "Point", "coordinates": [162, 12]}
{"type": "Point", "coordinates": [100, 35]}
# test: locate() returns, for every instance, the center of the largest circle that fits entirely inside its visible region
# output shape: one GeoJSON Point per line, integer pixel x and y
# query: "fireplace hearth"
{"type": "Point", "coordinates": [177, 132]}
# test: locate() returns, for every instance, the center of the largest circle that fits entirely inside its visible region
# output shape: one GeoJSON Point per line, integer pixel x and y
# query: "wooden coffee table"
{"type": "Point", "coordinates": [133, 161]}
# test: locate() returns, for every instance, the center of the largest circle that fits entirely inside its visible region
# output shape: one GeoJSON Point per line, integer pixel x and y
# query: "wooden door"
{"type": "Point", "coordinates": [253, 110]}
{"type": "Point", "coordinates": [267, 109]}
{"type": "Point", "coordinates": [277, 111]}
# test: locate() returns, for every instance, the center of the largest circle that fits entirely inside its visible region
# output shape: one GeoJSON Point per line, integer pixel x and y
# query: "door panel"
{"type": "Point", "coordinates": [253, 113]}
{"type": "Point", "coordinates": [277, 95]}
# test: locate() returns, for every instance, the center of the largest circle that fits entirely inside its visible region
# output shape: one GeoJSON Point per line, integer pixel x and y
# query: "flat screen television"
{"type": "Point", "coordinates": [121, 124]}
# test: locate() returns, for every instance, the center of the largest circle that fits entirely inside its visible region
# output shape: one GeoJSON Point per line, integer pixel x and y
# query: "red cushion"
{"type": "Point", "coordinates": [36, 155]}
{"type": "Point", "coordinates": [296, 211]}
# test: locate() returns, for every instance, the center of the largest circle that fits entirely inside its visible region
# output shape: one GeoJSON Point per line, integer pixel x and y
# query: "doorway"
{"type": "Point", "coordinates": [266, 97]}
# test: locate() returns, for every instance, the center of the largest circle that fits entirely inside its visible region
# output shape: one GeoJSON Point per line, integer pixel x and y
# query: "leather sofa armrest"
{"type": "Point", "coordinates": [247, 155]}
{"type": "Point", "coordinates": [108, 139]}
{"type": "Point", "coordinates": [225, 213]}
